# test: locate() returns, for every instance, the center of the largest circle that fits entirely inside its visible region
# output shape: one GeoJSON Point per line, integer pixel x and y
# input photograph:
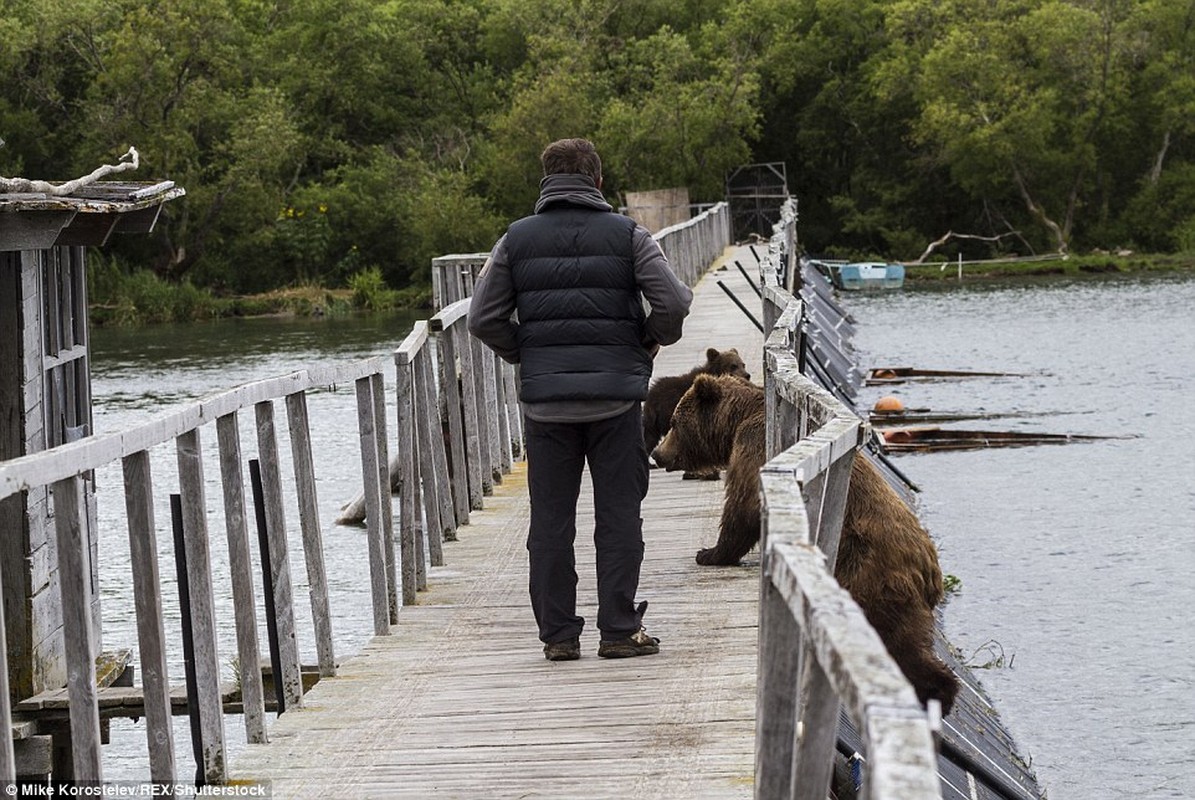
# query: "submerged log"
{"type": "Point", "coordinates": [353, 512]}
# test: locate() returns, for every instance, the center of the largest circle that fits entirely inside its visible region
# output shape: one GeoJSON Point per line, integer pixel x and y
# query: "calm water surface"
{"type": "Point", "coordinates": [138, 373]}
{"type": "Point", "coordinates": [1076, 561]}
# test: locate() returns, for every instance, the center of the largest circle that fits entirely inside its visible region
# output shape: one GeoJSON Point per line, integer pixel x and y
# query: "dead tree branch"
{"type": "Point", "coordinates": [934, 245]}
{"type": "Point", "coordinates": [130, 160]}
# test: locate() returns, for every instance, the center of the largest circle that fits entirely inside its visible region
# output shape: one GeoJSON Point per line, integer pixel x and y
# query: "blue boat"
{"type": "Point", "coordinates": [855, 275]}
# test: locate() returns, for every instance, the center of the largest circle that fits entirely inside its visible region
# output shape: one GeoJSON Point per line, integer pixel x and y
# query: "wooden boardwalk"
{"type": "Point", "coordinates": [459, 701]}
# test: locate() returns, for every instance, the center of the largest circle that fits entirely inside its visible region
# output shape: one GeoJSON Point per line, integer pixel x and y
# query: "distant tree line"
{"type": "Point", "coordinates": [318, 139]}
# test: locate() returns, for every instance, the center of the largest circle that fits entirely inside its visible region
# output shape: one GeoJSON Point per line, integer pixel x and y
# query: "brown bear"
{"type": "Point", "coordinates": [886, 560]}
{"type": "Point", "coordinates": [667, 391]}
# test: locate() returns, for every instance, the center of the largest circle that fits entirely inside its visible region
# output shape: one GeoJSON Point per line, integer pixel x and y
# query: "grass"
{"type": "Point", "coordinates": [143, 298]}
{"type": "Point", "coordinates": [1074, 266]}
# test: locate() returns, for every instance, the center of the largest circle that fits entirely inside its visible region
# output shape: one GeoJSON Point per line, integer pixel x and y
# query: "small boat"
{"type": "Point", "coordinates": [856, 275]}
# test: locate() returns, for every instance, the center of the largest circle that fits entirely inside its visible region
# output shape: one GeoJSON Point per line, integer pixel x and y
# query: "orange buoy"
{"type": "Point", "coordinates": [889, 404]}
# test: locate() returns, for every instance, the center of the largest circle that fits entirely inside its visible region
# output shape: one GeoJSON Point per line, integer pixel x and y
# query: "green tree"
{"type": "Point", "coordinates": [1013, 96]}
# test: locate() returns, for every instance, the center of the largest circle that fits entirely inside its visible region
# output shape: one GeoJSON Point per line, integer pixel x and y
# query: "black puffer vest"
{"type": "Point", "coordinates": [580, 313]}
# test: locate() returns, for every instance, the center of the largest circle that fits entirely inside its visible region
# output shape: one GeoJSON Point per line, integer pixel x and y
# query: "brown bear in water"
{"type": "Point", "coordinates": [667, 391]}
{"type": "Point", "coordinates": [886, 560]}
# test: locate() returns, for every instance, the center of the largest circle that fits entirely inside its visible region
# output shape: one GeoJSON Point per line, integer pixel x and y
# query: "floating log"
{"type": "Point", "coordinates": [905, 440]}
{"type": "Point", "coordinates": [353, 512]}
{"type": "Point", "coordinates": [880, 376]}
{"type": "Point", "coordinates": [924, 415]}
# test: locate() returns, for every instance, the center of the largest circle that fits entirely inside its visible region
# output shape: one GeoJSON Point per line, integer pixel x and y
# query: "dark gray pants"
{"type": "Point", "coordinates": [556, 455]}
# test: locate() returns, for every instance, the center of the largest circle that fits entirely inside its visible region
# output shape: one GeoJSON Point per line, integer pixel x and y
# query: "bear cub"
{"type": "Point", "coordinates": [667, 391]}
{"type": "Point", "coordinates": [886, 560]}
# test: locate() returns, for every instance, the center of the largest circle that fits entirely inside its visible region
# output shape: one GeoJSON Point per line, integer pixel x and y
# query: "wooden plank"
{"type": "Point", "coordinates": [447, 514]}
{"type": "Point", "coordinates": [284, 606]}
{"type": "Point", "coordinates": [513, 409]}
{"type": "Point", "coordinates": [240, 565]}
{"type": "Point", "coordinates": [214, 756]}
{"type": "Point", "coordinates": [490, 404]}
{"type": "Point", "coordinates": [467, 348]}
{"type": "Point", "coordinates": [44, 468]}
{"type": "Point", "coordinates": [776, 708]}
{"type": "Point", "coordinates": [377, 389]}
{"type": "Point", "coordinates": [407, 479]}
{"type": "Point", "coordinates": [480, 357]}
{"type": "Point", "coordinates": [32, 230]}
{"type": "Point", "coordinates": [75, 587]}
{"type": "Point", "coordinates": [424, 411]}
{"type": "Point", "coordinates": [373, 501]}
{"type": "Point", "coordinates": [502, 415]}
{"type": "Point", "coordinates": [8, 770]}
{"type": "Point", "coordinates": [813, 761]}
{"type": "Point", "coordinates": [147, 602]}
{"type": "Point", "coordinates": [450, 390]}
{"type": "Point", "coordinates": [309, 521]}
{"type": "Point", "coordinates": [508, 721]}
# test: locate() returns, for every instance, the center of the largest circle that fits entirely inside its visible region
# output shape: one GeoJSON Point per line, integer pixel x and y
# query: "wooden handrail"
{"type": "Point", "coordinates": [817, 652]}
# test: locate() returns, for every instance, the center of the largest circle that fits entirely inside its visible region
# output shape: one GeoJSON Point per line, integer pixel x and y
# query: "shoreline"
{"type": "Point", "coordinates": [1095, 265]}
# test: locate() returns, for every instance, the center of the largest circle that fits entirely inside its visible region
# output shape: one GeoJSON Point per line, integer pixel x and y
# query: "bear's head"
{"type": "Point", "coordinates": [725, 362]}
{"type": "Point", "coordinates": [698, 438]}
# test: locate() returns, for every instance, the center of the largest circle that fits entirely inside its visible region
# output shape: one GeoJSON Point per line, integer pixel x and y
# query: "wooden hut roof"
{"type": "Point", "coordinates": [87, 217]}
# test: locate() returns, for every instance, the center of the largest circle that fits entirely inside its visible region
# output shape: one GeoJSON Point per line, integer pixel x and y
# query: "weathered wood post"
{"type": "Point", "coordinates": [45, 401]}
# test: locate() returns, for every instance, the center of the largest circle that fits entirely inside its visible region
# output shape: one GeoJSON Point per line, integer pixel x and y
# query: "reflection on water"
{"type": "Point", "coordinates": [1075, 560]}
{"type": "Point", "coordinates": [148, 368]}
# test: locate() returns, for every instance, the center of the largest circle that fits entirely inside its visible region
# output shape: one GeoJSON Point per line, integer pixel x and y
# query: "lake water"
{"type": "Point", "coordinates": [1075, 560]}
{"type": "Point", "coordinates": [137, 373]}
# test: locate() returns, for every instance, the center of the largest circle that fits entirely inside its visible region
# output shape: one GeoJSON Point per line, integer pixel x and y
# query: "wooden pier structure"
{"type": "Point", "coordinates": [763, 669]}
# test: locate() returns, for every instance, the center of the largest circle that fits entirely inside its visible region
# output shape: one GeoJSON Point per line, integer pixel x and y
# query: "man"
{"type": "Point", "coordinates": [577, 274]}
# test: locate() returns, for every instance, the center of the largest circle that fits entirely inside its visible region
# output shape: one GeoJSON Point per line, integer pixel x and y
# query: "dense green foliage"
{"type": "Point", "coordinates": [322, 140]}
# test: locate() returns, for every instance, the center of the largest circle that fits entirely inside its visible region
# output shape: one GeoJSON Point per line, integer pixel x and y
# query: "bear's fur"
{"type": "Point", "coordinates": [666, 392]}
{"type": "Point", "coordinates": [886, 560]}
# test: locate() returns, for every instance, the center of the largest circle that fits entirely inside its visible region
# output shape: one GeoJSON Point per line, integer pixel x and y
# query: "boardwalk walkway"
{"type": "Point", "coordinates": [459, 701]}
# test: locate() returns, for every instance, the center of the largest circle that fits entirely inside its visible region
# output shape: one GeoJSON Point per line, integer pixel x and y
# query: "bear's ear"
{"type": "Point", "coordinates": [706, 389]}
{"type": "Point", "coordinates": [734, 351]}
{"type": "Point", "coordinates": [711, 355]}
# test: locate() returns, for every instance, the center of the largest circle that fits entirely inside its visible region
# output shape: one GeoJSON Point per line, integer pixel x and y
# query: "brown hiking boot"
{"type": "Point", "coordinates": [568, 650]}
{"type": "Point", "coordinates": [637, 644]}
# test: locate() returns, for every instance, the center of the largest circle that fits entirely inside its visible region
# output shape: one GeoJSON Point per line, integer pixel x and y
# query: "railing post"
{"type": "Point", "coordinates": [284, 606]}
{"type": "Point", "coordinates": [450, 391]}
{"type": "Point", "coordinates": [240, 566]}
{"type": "Point", "coordinates": [8, 763]}
{"type": "Point", "coordinates": [147, 600]}
{"type": "Point", "coordinates": [74, 582]}
{"type": "Point", "coordinates": [374, 494]}
{"type": "Point", "coordinates": [309, 522]}
{"type": "Point", "coordinates": [424, 411]}
{"type": "Point", "coordinates": [408, 477]}
{"type": "Point", "coordinates": [377, 387]}
{"type": "Point", "coordinates": [474, 442]}
{"type": "Point", "coordinates": [438, 465]}
{"type": "Point", "coordinates": [490, 402]}
{"type": "Point", "coordinates": [203, 608]}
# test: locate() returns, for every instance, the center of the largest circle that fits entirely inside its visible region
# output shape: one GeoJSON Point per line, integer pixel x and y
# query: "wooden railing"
{"type": "Point", "coordinates": [817, 652]}
{"type": "Point", "coordinates": [458, 431]}
{"type": "Point", "coordinates": [424, 482]}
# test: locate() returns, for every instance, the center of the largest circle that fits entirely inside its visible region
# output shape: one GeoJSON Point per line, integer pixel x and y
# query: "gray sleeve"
{"type": "Point", "coordinates": [491, 311]}
{"type": "Point", "coordinates": [668, 298]}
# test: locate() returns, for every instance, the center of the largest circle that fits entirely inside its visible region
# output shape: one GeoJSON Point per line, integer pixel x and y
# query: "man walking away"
{"type": "Point", "coordinates": [577, 273]}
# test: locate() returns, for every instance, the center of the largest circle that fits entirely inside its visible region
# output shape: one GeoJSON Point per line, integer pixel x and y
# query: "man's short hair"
{"type": "Point", "coordinates": [572, 157]}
